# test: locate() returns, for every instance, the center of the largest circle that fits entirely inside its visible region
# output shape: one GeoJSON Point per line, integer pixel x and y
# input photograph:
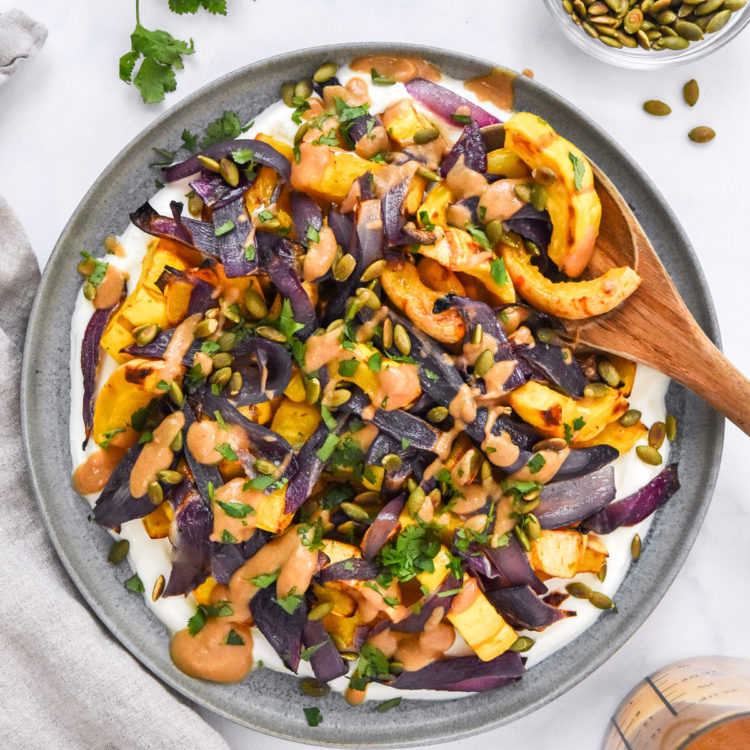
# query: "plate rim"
{"type": "Point", "coordinates": [35, 333]}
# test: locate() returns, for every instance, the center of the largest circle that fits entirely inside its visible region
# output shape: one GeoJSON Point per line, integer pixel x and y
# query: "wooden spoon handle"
{"type": "Point", "coordinates": [707, 372]}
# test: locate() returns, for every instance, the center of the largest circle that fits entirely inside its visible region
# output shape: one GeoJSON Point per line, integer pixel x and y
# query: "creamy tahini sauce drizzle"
{"type": "Point", "coordinates": [150, 557]}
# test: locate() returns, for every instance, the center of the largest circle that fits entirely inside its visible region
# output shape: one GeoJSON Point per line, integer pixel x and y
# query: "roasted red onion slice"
{"type": "Point", "coordinates": [471, 146]}
{"type": "Point", "coordinates": [280, 628]}
{"type": "Point", "coordinates": [444, 102]}
{"type": "Point", "coordinates": [325, 658]}
{"type": "Point", "coordinates": [522, 608]}
{"type": "Point", "coordinates": [384, 525]}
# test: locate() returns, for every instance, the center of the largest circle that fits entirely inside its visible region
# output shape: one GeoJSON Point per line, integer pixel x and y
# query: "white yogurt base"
{"type": "Point", "coordinates": [150, 558]}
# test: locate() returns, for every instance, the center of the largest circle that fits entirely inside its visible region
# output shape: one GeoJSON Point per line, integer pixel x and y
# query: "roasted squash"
{"type": "Point", "coordinates": [295, 422]}
{"type": "Point", "coordinates": [572, 202]}
{"type": "Point", "coordinates": [401, 121]}
{"type": "Point", "coordinates": [614, 434]}
{"type": "Point", "coordinates": [568, 299]}
{"type": "Point", "coordinates": [439, 278]}
{"type": "Point", "coordinates": [505, 162]}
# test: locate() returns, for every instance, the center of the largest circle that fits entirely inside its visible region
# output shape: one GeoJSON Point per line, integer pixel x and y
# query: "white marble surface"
{"type": "Point", "coordinates": [66, 114]}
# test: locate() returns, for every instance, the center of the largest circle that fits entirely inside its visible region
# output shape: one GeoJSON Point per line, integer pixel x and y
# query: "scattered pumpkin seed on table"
{"type": "Point", "coordinates": [702, 134]}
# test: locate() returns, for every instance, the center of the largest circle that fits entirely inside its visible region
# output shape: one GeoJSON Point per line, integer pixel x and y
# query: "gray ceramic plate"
{"type": "Point", "coordinates": [270, 701]}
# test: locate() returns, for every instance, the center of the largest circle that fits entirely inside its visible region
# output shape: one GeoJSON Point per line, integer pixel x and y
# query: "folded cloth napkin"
{"type": "Point", "coordinates": [21, 37]}
{"type": "Point", "coordinates": [66, 683]}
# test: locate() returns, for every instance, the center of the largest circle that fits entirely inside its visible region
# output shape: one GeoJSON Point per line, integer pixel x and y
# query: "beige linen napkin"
{"type": "Point", "coordinates": [66, 684]}
{"type": "Point", "coordinates": [21, 37]}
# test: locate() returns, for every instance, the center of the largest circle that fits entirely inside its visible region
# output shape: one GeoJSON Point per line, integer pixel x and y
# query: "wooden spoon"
{"type": "Point", "coordinates": [653, 326]}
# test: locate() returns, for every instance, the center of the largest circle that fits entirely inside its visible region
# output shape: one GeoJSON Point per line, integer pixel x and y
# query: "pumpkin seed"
{"type": "Point", "coordinates": [354, 512]}
{"type": "Point", "coordinates": [595, 390]}
{"type": "Point", "coordinates": [670, 427]}
{"type": "Point", "coordinates": [658, 6]}
{"type": "Point", "coordinates": [568, 6]}
{"type": "Point", "coordinates": [169, 477]}
{"type": "Point", "coordinates": [235, 383]}
{"type": "Point", "coordinates": [426, 135]}
{"type": "Point", "coordinates": [494, 231]}
{"type": "Point", "coordinates": [666, 18]}
{"type": "Point", "coordinates": [195, 205]}
{"type": "Point", "coordinates": [674, 42]}
{"type": "Point", "coordinates": [523, 540]}
{"type": "Point", "coordinates": [387, 333]}
{"type": "Point", "coordinates": [145, 334]}
{"type": "Point", "coordinates": [611, 42]}
{"type": "Point", "coordinates": [339, 397]}
{"type": "Point", "coordinates": [603, 21]}
{"type": "Point", "coordinates": [684, 10]}
{"type": "Point", "coordinates": [688, 30]}
{"type": "Point", "coordinates": [437, 414]}
{"type": "Point", "coordinates": [656, 108]}
{"type": "Point", "coordinates": [601, 574]}
{"type": "Point", "coordinates": [630, 417]}
{"type": "Point", "coordinates": [532, 527]}
{"type": "Point", "coordinates": [325, 72]}
{"type": "Point", "coordinates": [118, 551]}
{"type": "Point", "coordinates": [401, 339]}
{"type": "Point", "coordinates": [597, 8]}
{"type": "Point", "coordinates": [353, 656]}
{"type": "Point", "coordinates": [734, 5]}
{"type": "Point", "coordinates": [206, 327]}
{"type": "Point", "coordinates": [353, 306]}
{"type": "Point", "coordinates": [368, 298]}
{"type": "Point", "coordinates": [208, 163]}
{"type": "Point", "coordinates": [86, 267]}
{"type": "Point", "coordinates": [264, 467]}
{"type": "Point", "coordinates": [539, 197]}
{"type": "Point", "coordinates": [338, 641]}
{"type": "Point", "coordinates": [221, 377]}
{"type": "Point", "coordinates": [648, 455]}
{"type": "Point", "coordinates": [646, 5]}
{"type": "Point", "coordinates": [544, 176]}
{"type": "Point", "coordinates": [155, 493]}
{"type": "Point", "coordinates": [391, 462]}
{"type": "Point", "coordinates": [226, 341]}
{"type": "Point", "coordinates": [523, 192]}
{"type": "Point", "coordinates": [229, 172]}
{"type": "Point", "coordinates": [633, 21]}
{"type": "Point", "coordinates": [702, 134]}
{"type": "Point", "coordinates": [551, 444]}
{"type": "Point", "coordinates": [690, 92]}
{"type": "Point", "coordinates": [338, 323]}
{"type": "Point", "coordinates": [668, 31]}
{"type": "Point", "coordinates": [319, 611]}
{"type": "Point", "coordinates": [89, 290]}
{"type": "Point", "coordinates": [303, 89]}
{"type": "Point", "coordinates": [374, 271]}
{"type": "Point", "coordinates": [267, 332]}
{"type": "Point", "coordinates": [635, 547]}
{"type": "Point", "coordinates": [608, 372]}
{"type": "Point", "coordinates": [521, 644]}
{"type": "Point", "coordinates": [709, 6]}
{"type": "Point", "coordinates": [484, 363]}
{"type": "Point", "coordinates": [608, 31]}
{"type": "Point", "coordinates": [310, 686]}
{"type": "Point", "coordinates": [222, 359]}
{"type": "Point", "coordinates": [614, 5]}
{"type": "Point", "coordinates": [656, 434]}
{"type": "Point", "coordinates": [301, 132]}
{"type": "Point", "coordinates": [642, 39]}
{"type": "Point", "coordinates": [428, 174]}
{"type": "Point", "coordinates": [343, 267]}
{"type": "Point", "coordinates": [601, 601]}
{"type": "Point", "coordinates": [287, 93]}
{"type": "Point", "coordinates": [654, 36]}
{"type": "Point", "coordinates": [579, 8]}
{"type": "Point", "coordinates": [255, 304]}
{"type": "Point", "coordinates": [476, 337]}
{"type": "Point", "coordinates": [176, 444]}
{"type": "Point", "coordinates": [312, 390]}
{"type": "Point", "coordinates": [718, 21]}
{"type": "Point", "coordinates": [578, 590]}
{"type": "Point", "coordinates": [414, 503]}
{"type": "Point", "coordinates": [626, 39]}
{"type": "Point", "coordinates": [158, 588]}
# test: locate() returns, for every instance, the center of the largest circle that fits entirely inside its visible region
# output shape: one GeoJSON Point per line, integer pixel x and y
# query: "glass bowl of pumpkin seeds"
{"type": "Point", "coordinates": [650, 33]}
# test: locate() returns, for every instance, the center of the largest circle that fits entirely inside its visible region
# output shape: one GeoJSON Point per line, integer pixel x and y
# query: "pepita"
{"type": "Point", "coordinates": [303, 89]}
{"type": "Point", "coordinates": [635, 547]}
{"type": "Point", "coordinates": [368, 298]}
{"type": "Point", "coordinates": [195, 205]}
{"type": "Point", "coordinates": [255, 304]}
{"type": "Point", "coordinates": [414, 503]}
{"type": "Point", "coordinates": [601, 601]}
{"type": "Point", "coordinates": [684, 10]}
{"type": "Point", "coordinates": [521, 644]}
{"type": "Point", "coordinates": [229, 172]}
{"type": "Point", "coordinates": [630, 417]}
{"type": "Point", "coordinates": [338, 641]}
{"type": "Point", "coordinates": [610, 42]}
{"type": "Point", "coordinates": [158, 588]}
{"type": "Point", "coordinates": [642, 39]}
{"type": "Point", "coordinates": [595, 390]}
{"type": "Point", "coordinates": [343, 267]}
{"type": "Point", "coordinates": [401, 339]}
{"type": "Point", "coordinates": [226, 341]}
{"type": "Point", "coordinates": [718, 21]}
{"type": "Point", "coordinates": [702, 134]}
{"type": "Point", "coordinates": [602, 572]}
{"type": "Point", "coordinates": [267, 332]}
{"type": "Point", "coordinates": [670, 427]}
{"type": "Point", "coordinates": [523, 540]}
{"type": "Point", "coordinates": [264, 467]}
{"type": "Point", "coordinates": [354, 512]}
{"type": "Point", "coordinates": [579, 590]}
{"type": "Point", "coordinates": [428, 174]}
{"type": "Point", "coordinates": [319, 611]}
{"type": "Point", "coordinates": [437, 414]}
{"type": "Point", "coordinates": [674, 42]}
{"type": "Point", "coordinates": [484, 363]}
{"type": "Point", "coordinates": [339, 397]}
{"type": "Point", "coordinates": [169, 477]}
{"type": "Point", "coordinates": [391, 462]}
{"type": "Point", "coordinates": [734, 5]}
{"type": "Point", "coordinates": [222, 359]}
{"type": "Point", "coordinates": [206, 327]}
{"type": "Point", "coordinates": [666, 18]}
{"type": "Point", "coordinates": [310, 686]}
{"type": "Point", "coordinates": [325, 72]}
{"type": "Point", "coordinates": [597, 8]}
{"type": "Point", "coordinates": [544, 175]}
{"type": "Point", "coordinates": [551, 444]}
{"type": "Point", "coordinates": [118, 551]}
{"type": "Point", "coordinates": [494, 231]}
{"type": "Point", "coordinates": [426, 135]}
{"type": "Point", "coordinates": [532, 527]}
{"type": "Point", "coordinates": [608, 372]}
{"type": "Point", "coordinates": [208, 163]}
{"type": "Point", "coordinates": [155, 493]}
{"type": "Point", "coordinates": [235, 383]}
{"type": "Point", "coordinates": [690, 92]}
{"type": "Point", "coordinates": [648, 455]}
{"type": "Point", "coordinates": [567, 6]}
{"type": "Point", "coordinates": [656, 108]}
{"type": "Point", "coordinates": [539, 197]}
{"type": "Point", "coordinates": [374, 271]}
{"type": "Point", "coordinates": [176, 444]}
{"type": "Point", "coordinates": [221, 377]}
{"type": "Point", "coordinates": [688, 30]}
{"type": "Point", "coordinates": [633, 21]}
{"type": "Point", "coordinates": [656, 434]}
{"type": "Point", "coordinates": [579, 8]}
{"type": "Point", "coordinates": [145, 334]}
{"type": "Point", "coordinates": [387, 333]}
{"type": "Point", "coordinates": [301, 132]}
{"type": "Point", "coordinates": [312, 390]}
{"type": "Point", "coordinates": [89, 290]}
{"type": "Point", "coordinates": [523, 192]}
{"type": "Point", "coordinates": [709, 6]}
{"type": "Point", "coordinates": [476, 337]}
{"type": "Point", "coordinates": [626, 39]}
{"type": "Point", "coordinates": [287, 93]}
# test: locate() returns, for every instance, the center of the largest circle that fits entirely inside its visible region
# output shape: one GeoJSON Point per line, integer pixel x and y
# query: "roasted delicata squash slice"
{"type": "Point", "coordinates": [407, 292]}
{"type": "Point", "coordinates": [549, 411]}
{"type": "Point", "coordinates": [457, 251]}
{"type": "Point", "coordinates": [574, 300]}
{"type": "Point", "coordinates": [572, 202]}
{"type": "Point", "coordinates": [505, 162]}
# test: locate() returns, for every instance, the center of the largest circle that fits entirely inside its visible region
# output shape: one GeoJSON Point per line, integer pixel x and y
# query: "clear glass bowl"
{"type": "Point", "coordinates": [627, 57]}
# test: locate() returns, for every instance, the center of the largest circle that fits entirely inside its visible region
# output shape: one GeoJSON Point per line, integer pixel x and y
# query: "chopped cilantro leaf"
{"type": "Point", "coordinates": [226, 451]}
{"type": "Point", "coordinates": [579, 423]}
{"type": "Point", "coordinates": [411, 552]}
{"type": "Point", "coordinates": [478, 236]}
{"type": "Point", "coordinates": [536, 463]}
{"type": "Point", "coordinates": [336, 495]}
{"type": "Point", "coordinates": [424, 217]}
{"type": "Point", "coordinates": [312, 233]}
{"type": "Point", "coordinates": [499, 274]}
{"type": "Point", "coordinates": [234, 639]}
{"type": "Point", "coordinates": [236, 510]}
{"type": "Point", "coordinates": [259, 483]}
{"type": "Point", "coordinates": [329, 139]}
{"type": "Point", "coordinates": [227, 226]}
{"type": "Point", "coordinates": [328, 418]}
{"type": "Point", "coordinates": [327, 449]}
{"type": "Point", "coordinates": [264, 580]}
{"type": "Point", "coordinates": [228, 538]}
{"type": "Point", "coordinates": [223, 128]}
{"type": "Point", "coordinates": [243, 155]}
{"type": "Point", "coordinates": [210, 347]}
{"type": "Point", "coordinates": [405, 443]}
{"type": "Point", "coordinates": [381, 80]}
{"type": "Point", "coordinates": [100, 269]}
{"type": "Point", "coordinates": [135, 584]}
{"type": "Point", "coordinates": [579, 169]}
{"type": "Point", "coordinates": [189, 141]}
{"type": "Point", "coordinates": [290, 602]}
{"type": "Point", "coordinates": [313, 716]}
{"type": "Point", "coordinates": [146, 437]}
{"type": "Point", "coordinates": [109, 435]}
{"type": "Point", "coordinates": [375, 362]}
{"type": "Point", "coordinates": [162, 385]}
{"type": "Point", "coordinates": [348, 367]}
{"type": "Point", "coordinates": [220, 420]}
{"type": "Point", "coordinates": [388, 705]}
{"type": "Point", "coordinates": [431, 375]}
{"type": "Point", "coordinates": [204, 611]}
{"type": "Point", "coordinates": [310, 650]}
{"type": "Point", "coordinates": [250, 252]}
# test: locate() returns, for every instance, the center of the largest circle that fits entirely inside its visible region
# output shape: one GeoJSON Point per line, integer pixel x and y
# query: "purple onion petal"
{"type": "Point", "coordinates": [325, 660]}
{"type": "Point", "coordinates": [512, 567]}
{"type": "Point", "coordinates": [382, 527]}
{"type": "Point", "coordinates": [281, 629]}
{"type": "Point", "coordinates": [522, 608]}
{"type": "Point", "coordinates": [444, 102]}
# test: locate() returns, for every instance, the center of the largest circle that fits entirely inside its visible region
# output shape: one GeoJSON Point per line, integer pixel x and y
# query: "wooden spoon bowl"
{"type": "Point", "coordinates": [653, 326]}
